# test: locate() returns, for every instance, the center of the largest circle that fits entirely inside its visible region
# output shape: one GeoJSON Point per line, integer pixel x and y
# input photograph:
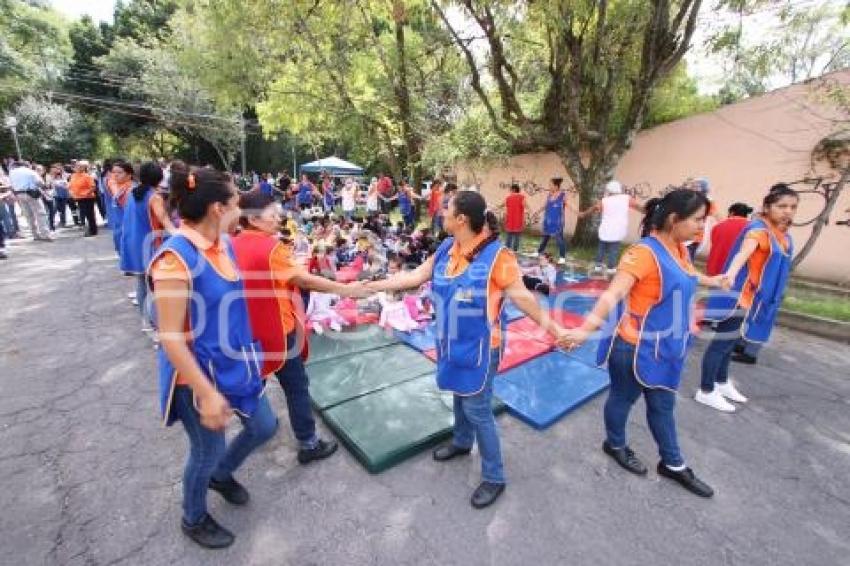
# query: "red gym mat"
{"type": "Point", "coordinates": [519, 348]}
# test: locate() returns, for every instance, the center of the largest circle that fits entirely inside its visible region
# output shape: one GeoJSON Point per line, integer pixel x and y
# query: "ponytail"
{"type": "Point", "coordinates": [194, 190]}
{"type": "Point", "coordinates": [150, 175]}
{"type": "Point", "coordinates": [684, 203]}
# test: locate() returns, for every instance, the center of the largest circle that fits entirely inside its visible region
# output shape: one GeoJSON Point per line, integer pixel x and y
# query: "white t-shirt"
{"type": "Point", "coordinates": [348, 193]}
{"type": "Point", "coordinates": [615, 218]}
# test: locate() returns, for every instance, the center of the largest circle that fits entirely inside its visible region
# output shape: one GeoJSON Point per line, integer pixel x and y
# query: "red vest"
{"type": "Point", "coordinates": [253, 256]}
{"type": "Point", "coordinates": [515, 213]}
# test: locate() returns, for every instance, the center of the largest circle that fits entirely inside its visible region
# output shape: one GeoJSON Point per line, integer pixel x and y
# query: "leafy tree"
{"type": "Point", "coordinates": [50, 131]}
{"type": "Point", "coordinates": [570, 77]}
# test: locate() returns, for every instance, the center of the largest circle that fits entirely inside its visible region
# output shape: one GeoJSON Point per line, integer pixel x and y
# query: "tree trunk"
{"type": "Point", "coordinates": [822, 220]}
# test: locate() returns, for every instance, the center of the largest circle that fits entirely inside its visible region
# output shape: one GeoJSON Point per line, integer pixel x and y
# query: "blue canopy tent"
{"type": "Point", "coordinates": [335, 167]}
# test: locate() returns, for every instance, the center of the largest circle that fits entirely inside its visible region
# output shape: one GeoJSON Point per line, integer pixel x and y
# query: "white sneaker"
{"type": "Point", "coordinates": [131, 295]}
{"type": "Point", "coordinates": [533, 254]}
{"type": "Point", "coordinates": [714, 400]}
{"type": "Point", "coordinates": [611, 271]}
{"type": "Point", "coordinates": [562, 261]}
{"type": "Point", "coordinates": [134, 302]}
{"type": "Point", "coordinates": [317, 328]}
{"type": "Point", "coordinates": [729, 391]}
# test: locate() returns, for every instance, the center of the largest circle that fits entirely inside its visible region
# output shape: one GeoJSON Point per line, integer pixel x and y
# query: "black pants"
{"type": "Point", "coordinates": [75, 211]}
{"type": "Point", "coordinates": [100, 201]}
{"type": "Point", "coordinates": [62, 205]}
{"type": "Point", "coordinates": [87, 213]}
{"type": "Point", "coordinates": [51, 212]}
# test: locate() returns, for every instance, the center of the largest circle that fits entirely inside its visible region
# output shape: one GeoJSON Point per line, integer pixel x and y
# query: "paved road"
{"type": "Point", "coordinates": [90, 476]}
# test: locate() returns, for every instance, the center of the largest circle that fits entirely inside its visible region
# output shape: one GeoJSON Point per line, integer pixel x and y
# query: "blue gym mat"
{"type": "Point", "coordinates": [543, 390]}
{"type": "Point", "coordinates": [424, 339]}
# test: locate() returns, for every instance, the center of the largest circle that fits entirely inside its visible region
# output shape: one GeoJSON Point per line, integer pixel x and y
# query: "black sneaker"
{"type": "Point", "coordinates": [739, 348]}
{"type": "Point", "coordinates": [449, 451]}
{"type": "Point", "coordinates": [208, 533]}
{"type": "Point", "coordinates": [626, 458]}
{"type": "Point", "coordinates": [231, 490]}
{"type": "Point", "coordinates": [744, 359]}
{"type": "Point", "coordinates": [486, 494]}
{"type": "Point", "coordinates": [686, 479]}
{"type": "Point", "coordinates": [322, 450]}
{"type": "Point", "coordinates": [3, 255]}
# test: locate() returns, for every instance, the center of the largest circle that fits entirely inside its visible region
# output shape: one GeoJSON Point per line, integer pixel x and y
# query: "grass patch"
{"type": "Point", "coordinates": [819, 304]}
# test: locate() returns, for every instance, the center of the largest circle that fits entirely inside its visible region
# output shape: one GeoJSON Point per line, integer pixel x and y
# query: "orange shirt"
{"type": "Point", "coordinates": [81, 186]}
{"type": "Point", "coordinates": [504, 273]}
{"type": "Point", "coordinates": [284, 267]}
{"type": "Point", "coordinates": [169, 267]}
{"type": "Point", "coordinates": [639, 261]}
{"type": "Point", "coordinates": [757, 262]}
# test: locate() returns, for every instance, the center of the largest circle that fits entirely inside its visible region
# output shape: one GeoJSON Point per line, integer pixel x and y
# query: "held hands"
{"type": "Point", "coordinates": [358, 290]}
{"type": "Point", "coordinates": [215, 411]}
{"type": "Point", "coordinates": [571, 339]}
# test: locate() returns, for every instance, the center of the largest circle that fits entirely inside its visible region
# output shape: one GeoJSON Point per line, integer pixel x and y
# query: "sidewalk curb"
{"type": "Point", "coordinates": [816, 325]}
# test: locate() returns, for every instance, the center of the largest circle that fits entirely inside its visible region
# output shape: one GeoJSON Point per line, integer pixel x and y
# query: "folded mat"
{"type": "Point", "coordinates": [352, 340]}
{"type": "Point", "coordinates": [340, 379]}
{"type": "Point", "coordinates": [543, 390]}
{"type": "Point", "coordinates": [393, 424]}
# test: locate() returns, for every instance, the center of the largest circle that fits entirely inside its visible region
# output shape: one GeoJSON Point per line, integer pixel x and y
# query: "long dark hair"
{"type": "Point", "coordinates": [194, 190]}
{"type": "Point", "coordinates": [150, 175]}
{"type": "Point", "coordinates": [684, 203]}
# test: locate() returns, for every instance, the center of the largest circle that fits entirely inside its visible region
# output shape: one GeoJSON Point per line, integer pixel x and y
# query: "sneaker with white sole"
{"type": "Point", "coordinates": [562, 261]}
{"type": "Point", "coordinates": [533, 254]}
{"type": "Point", "coordinates": [714, 400]}
{"type": "Point", "coordinates": [729, 391]}
{"type": "Point", "coordinates": [131, 295]}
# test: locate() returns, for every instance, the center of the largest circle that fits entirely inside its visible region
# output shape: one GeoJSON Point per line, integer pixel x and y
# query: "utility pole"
{"type": "Point", "coordinates": [242, 123]}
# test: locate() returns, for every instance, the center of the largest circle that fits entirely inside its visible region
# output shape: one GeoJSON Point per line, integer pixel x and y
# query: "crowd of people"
{"type": "Point", "coordinates": [232, 279]}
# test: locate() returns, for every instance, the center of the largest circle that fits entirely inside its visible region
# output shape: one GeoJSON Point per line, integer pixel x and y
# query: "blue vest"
{"type": "Point", "coordinates": [305, 194]}
{"type": "Point", "coordinates": [553, 217]}
{"type": "Point", "coordinates": [404, 204]}
{"type": "Point", "coordinates": [761, 317]}
{"type": "Point", "coordinates": [665, 331]}
{"type": "Point", "coordinates": [136, 235]}
{"type": "Point", "coordinates": [463, 328]}
{"type": "Point", "coordinates": [329, 199]}
{"type": "Point", "coordinates": [221, 334]}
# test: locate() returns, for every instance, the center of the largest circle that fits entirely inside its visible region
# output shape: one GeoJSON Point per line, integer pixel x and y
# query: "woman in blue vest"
{"type": "Point", "coordinates": [553, 219]}
{"type": "Point", "coordinates": [306, 191]}
{"type": "Point", "coordinates": [648, 316]}
{"type": "Point", "coordinates": [146, 225]}
{"type": "Point", "coordinates": [406, 204]}
{"type": "Point", "coordinates": [471, 272]}
{"type": "Point", "coordinates": [759, 264]}
{"type": "Point", "coordinates": [209, 363]}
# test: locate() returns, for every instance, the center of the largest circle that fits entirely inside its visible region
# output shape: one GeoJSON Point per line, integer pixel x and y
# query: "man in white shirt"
{"type": "Point", "coordinates": [26, 184]}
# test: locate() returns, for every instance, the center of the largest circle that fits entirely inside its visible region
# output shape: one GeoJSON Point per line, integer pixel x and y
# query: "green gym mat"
{"type": "Point", "coordinates": [343, 378]}
{"type": "Point", "coordinates": [388, 426]}
{"type": "Point", "coordinates": [332, 345]}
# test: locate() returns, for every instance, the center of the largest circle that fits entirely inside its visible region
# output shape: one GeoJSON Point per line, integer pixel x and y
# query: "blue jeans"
{"type": "Point", "coordinates": [145, 307]}
{"type": "Point", "coordinates": [209, 456]}
{"type": "Point", "coordinates": [9, 219]}
{"type": "Point", "coordinates": [559, 238]}
{"type": "Point", "coordinates": [610, 251]}
{"type": "Point", "coordinates": [474, 420]}
{"type": "Point", "coordinates": [660, 406]}
{"type": "Point", "coordinates": [512, 240]}
{"type": "Point", "coordinates": [296, 387]}
{"type": "Point", "coordinates": [718, 354]}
